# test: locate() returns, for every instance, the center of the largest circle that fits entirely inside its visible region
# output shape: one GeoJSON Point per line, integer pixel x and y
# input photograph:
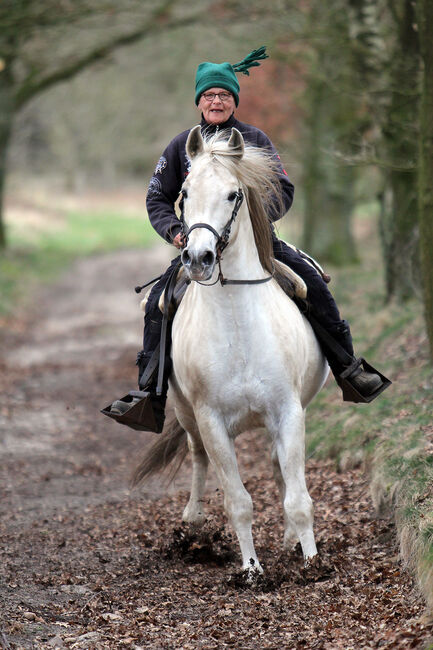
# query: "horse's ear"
{"type": "Point", "coordinates": [236, 143]}
{"type": "Point", "coordinates": [194, 143]}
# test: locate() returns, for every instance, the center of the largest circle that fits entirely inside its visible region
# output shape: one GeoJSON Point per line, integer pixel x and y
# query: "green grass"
{"type": "Point", "coordinates": [36, 256]}
{"type": "Point", "coordinates": [393, 436]}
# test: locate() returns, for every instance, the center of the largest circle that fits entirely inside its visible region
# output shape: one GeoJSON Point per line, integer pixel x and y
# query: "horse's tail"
{"type": "Point", "coordinates": [171, 446]}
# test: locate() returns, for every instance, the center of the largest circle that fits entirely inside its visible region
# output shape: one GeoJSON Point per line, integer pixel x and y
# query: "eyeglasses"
{"type": "Point", "coordinates": [224, 97]}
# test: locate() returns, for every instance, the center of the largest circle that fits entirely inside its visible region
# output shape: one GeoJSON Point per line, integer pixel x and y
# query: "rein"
{"type": "Point", "coordinates": [222, 242]}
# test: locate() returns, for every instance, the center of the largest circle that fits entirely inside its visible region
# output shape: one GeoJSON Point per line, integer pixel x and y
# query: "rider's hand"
{"type": "Point", "coordinates": [178, 241]}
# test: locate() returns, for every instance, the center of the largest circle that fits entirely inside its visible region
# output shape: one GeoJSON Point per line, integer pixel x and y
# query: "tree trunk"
{"type": "Point", "coordinates": [6, 119]}
{"type": "Point", "coordinates": [327, 184]}
{"type": "Point", "coordinates": [330, 119]}
{"type": "Point", "coordinates": [399, 226]}
{"type": "Point", "coordinates": [312, 177]}
{"type": "Point", "coordinates": [425, 22]}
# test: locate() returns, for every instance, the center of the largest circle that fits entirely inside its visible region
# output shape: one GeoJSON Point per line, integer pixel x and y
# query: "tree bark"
{"type": "Point", "coordinates": [6, 120]}
{"type": "Point", "coordinates": [425, 23]}
{"type": "Point", "coordinates": [399, 225]}
{"type": "Point", "coordinates": [330, 117]}
{"type": "Point", "coordinates": [312, 177]}
{"type": "Point", "coordinates": [328, 185]}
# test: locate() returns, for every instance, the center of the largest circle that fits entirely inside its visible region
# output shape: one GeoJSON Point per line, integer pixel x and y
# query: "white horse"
{"type": "Point", "coordinates": [243, 355]}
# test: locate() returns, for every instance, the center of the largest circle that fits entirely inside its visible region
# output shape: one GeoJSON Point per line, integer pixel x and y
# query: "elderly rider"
{"type": "Point", "coordinates": [217, 96]}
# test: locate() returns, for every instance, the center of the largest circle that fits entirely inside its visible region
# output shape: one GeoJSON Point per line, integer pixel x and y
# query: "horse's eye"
{"type": "Point", "coordinates": [232, 196]}
{"type": "Point", "coordinates": [184, 194]}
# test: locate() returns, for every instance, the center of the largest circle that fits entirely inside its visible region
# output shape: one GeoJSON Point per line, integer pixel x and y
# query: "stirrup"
{"type": "Point", "coordinates": [142, 415]}
{"type": "Point", "coordinates": [350, 393]}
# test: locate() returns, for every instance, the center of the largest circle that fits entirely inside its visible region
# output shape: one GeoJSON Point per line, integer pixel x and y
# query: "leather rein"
{"type": "Point", "coordinates": [222, 242]}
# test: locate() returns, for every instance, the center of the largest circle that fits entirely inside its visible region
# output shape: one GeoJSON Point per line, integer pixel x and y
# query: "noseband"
{"type": "Point", "coordinates": [222, 242]}
{"type": "Point", "coordinates": [223, 239]}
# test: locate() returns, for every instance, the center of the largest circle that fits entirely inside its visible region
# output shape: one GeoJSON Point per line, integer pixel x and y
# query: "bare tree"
{"type": "Point", "coordinates": [46, 42]}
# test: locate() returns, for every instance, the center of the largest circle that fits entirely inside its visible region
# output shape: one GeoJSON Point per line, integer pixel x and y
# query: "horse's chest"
{"type": "Point", "coordinates": [228, 357]}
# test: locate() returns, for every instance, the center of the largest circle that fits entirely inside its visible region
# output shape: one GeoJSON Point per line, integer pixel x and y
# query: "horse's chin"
{"type": "Point", "coordinates": [199, 274]}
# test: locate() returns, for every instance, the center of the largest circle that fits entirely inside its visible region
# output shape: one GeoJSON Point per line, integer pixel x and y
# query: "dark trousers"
{"type": "Point", "coordinates": [153, 314]}
{"type": "Point", "coordinates": [320, 299]}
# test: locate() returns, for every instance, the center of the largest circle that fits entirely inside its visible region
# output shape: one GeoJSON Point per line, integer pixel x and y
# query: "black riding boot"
{"type": "Point", "coordinates": [332, 332]}
{"type": "Point", "coordinates": [358, 380]}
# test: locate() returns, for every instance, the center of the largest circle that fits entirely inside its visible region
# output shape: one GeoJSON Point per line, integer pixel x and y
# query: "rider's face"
{"type": "Point", "coordinates": [216, 111]}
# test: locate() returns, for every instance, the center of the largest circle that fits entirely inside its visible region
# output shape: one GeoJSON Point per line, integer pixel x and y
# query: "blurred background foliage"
{"type": "Point", "coordinates": [92, 91]}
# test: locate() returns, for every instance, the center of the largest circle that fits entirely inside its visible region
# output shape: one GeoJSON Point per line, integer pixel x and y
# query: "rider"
{"type": "Point", "coordinates": [217, 96]}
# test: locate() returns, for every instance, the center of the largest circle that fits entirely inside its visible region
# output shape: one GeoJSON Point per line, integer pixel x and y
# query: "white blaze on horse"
{"type": "Point", "coordinates": [243, 355]}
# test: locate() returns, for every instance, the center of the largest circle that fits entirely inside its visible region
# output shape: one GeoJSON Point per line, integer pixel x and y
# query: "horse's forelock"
{"type": "Point", "coordinates": [257, 172]}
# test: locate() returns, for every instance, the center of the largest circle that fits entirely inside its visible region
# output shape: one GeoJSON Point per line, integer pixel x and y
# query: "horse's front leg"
{"type": "Point", "coordinates": [237, 502]}
{"type": "Point", "coordinates": [193, 513]}
{"type": "Point", "coordinates": [289, 447]}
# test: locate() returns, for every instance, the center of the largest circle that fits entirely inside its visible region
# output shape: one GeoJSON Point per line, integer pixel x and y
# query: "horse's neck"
{"type": "Point", "coordinates": [240, 259]}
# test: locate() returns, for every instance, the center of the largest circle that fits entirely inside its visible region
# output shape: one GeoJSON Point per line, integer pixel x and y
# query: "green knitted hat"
{"type": "Point", "coordinates": [223, 75]}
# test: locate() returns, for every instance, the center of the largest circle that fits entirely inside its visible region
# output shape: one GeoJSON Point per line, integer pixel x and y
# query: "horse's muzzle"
{"type": "Point", "coordinates": [198, 265]}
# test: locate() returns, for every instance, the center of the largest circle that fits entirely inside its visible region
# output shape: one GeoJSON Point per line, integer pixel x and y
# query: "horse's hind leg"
{"type": "Point", "coordinates": [290, 536]}
{"type": "Point", "coordinates": [237, 502]}
{"type": "Point", "coordinates": [298, 507]}
{"type": "Point", "coordinates": [193, 513]}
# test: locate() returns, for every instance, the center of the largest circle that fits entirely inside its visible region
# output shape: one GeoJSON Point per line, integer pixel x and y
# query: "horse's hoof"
{"type": "Point", "coordinates": [313, 562]}
{"type": "Point", "coordinates": [252, 571]}
{"type": "Point", "coordinates": [195, 520]}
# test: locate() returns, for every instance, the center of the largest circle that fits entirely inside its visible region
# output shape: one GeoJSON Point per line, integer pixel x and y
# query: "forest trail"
{"type": "Point", "coordinates": [86, 564]}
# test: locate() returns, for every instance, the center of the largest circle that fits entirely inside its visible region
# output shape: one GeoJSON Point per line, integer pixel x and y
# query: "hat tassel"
{"type": "Point", "coordinates": [251, 60]}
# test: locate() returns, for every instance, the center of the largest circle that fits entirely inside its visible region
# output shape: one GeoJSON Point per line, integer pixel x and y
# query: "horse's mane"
{"type": "Point", "coordinates": [257, 171]}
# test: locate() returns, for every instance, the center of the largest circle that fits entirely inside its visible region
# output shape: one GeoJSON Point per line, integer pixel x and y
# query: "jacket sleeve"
{"type": "Point", "coordinates": [287, 187]}
{"type": "Point", "coordinates": [164, 188]}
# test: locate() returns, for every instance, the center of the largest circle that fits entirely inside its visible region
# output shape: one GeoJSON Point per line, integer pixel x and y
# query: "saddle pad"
{"type": "Point", "coordinates": [179, 290]}
{"type": "Point", "coordinates": [299, 286]}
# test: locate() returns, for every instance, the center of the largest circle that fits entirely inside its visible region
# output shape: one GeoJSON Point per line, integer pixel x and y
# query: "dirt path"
{"type": "Point", "coordinates": [85, 564]}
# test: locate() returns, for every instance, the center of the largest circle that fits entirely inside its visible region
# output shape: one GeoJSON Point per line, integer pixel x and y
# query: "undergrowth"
{"type": "Point", "coordinates": [392, 436]}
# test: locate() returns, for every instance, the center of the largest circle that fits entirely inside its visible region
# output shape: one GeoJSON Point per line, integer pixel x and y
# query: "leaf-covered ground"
{"type": "Point", "coordinates": [86, 564]}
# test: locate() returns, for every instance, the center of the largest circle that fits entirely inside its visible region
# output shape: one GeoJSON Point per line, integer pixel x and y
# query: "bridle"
{"type": "Point", "coordinates": [222, 241]}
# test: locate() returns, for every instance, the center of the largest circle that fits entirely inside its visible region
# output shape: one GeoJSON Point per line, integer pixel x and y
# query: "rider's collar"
{"type": "Point", "coordinates": [212, 128]}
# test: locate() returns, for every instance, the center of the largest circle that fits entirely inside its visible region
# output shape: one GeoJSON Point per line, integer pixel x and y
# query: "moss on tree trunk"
{"type": "Point", "coordinates": [399, 225]}
{"type": "Point", "coordinates": [425, 21]}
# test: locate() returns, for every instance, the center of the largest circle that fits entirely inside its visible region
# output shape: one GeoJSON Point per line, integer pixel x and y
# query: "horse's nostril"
{"type": "Point", "coordinates": [185, 257]}
{"type": "Point", "coordinates": [208, 258]}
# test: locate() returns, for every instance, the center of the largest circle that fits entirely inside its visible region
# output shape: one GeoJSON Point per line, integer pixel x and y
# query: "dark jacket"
{"type": "Point", "coordinates": [173, 168]}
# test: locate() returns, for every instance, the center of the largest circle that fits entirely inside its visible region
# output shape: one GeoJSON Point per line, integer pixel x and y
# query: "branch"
{"type": "Point", "coordinates": [366, 159]}
{"type": "Point", "coordinates": [30, 87]}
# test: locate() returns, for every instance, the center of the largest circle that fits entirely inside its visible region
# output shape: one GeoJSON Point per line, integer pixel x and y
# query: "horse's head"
{"type": "Point", "coordinates": [211, 198]}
